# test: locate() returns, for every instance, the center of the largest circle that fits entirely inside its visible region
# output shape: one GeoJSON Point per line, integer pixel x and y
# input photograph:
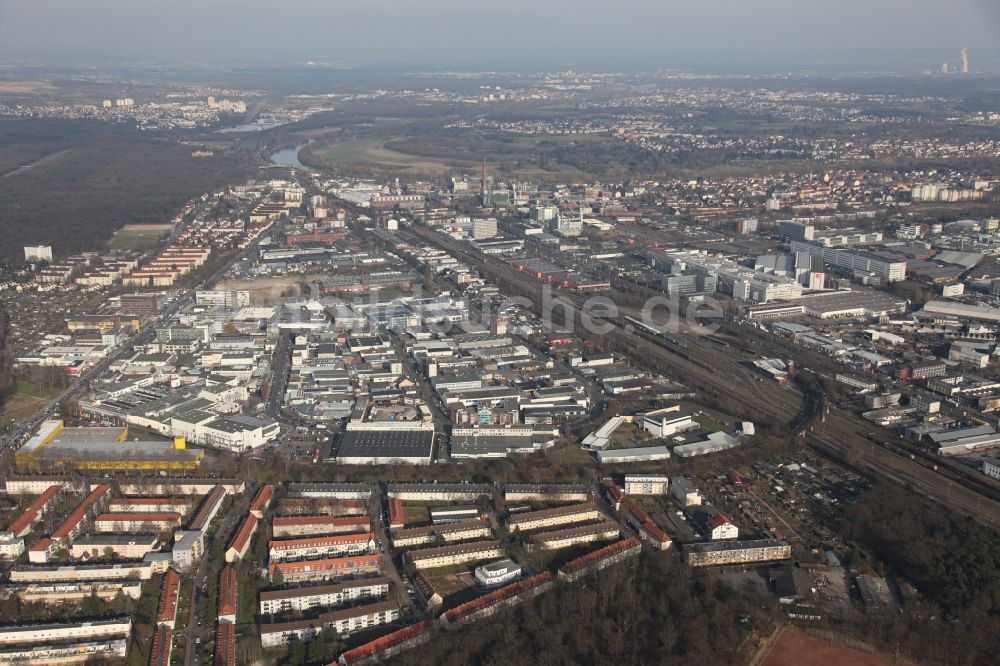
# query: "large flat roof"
{"type": "Point", "coordinates": [55, 443]}
{"type": "Point", "coordinates": [486, 444]}
{"type": "Point", "coordinates": [384, 444]}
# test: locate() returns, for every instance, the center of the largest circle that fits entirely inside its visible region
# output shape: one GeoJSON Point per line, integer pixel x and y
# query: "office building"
{"type": "Point", "coordinates": [855, 260]}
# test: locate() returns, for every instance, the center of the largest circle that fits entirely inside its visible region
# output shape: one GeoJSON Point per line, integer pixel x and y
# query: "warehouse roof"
{"type": "Point", "coordinates": [384, 445]}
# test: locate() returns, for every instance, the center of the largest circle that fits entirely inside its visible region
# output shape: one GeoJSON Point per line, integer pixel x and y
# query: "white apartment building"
{"type": "Point", "coordinates": [305, 599]}
{"type": "Point", "coordinates": [497, 573]}
{"type": "Point", "coordinates": [345, 621]}
{"type": "Point", "coordinates": [685, 492]}
{"type": "Point", "coordinates": [647, 484]}
{"type": "Point", "coordinates": [119, 627]}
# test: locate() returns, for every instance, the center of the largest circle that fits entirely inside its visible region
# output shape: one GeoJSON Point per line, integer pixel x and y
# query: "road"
{"type": "Point", "coordinates": [199, 582]}
{"type": "Point", "coordinates": [427, 394]}
{"type": "Point", "coordinates": [279, 375]}
{"type": "Point", "coordinates": [389, 570]}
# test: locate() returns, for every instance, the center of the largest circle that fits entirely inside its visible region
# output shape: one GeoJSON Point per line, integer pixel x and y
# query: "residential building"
{"type": "Point", "coordinates": [325, 569]}
{"type": "Point", "coordinates": [562, 515]}
{"type": "Point", "coordinates": [305, 526]}
{"type": "Point", "coordinates": [685, 492]}
{"type": "Point", "coordinates": [166, 610]}
{"type": "Point", "coordinates": [228, 595]}
{"type": "Point", "coordinates": [647, 484]}
{"type": "Point", "coordinates": [241, 541]}
{"type": "Point", "coordinates": [305, 599]}
{"type": "Point", "coordinates": [345, 622]}
{"type": "Point", "coordinates": [451, 531]}
{"type": "Point", "coordinates": [431, 558]}
{"type": "Point", "coordinates": [497, 573]}
{"type": "Point", "coordinates": [604, 530]}
{"type": "Point", "coordinates": [333, 545]}
{"type": "Point", "coordinates": [600, 558]}
{"type": "Point", "coordinates": [717, 553]}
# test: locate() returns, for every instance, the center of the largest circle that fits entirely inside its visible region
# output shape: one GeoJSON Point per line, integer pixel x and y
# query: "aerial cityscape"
{"type": "Point", "coordinates": [458, 351]}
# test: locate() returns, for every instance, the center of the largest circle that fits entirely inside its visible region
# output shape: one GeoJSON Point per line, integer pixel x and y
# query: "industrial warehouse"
{"type": "Point", "coordinates": [91, 448]}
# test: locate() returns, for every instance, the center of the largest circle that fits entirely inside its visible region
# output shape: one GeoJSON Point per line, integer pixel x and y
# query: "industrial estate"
{"type": "Point", "coordinates": [347, 408]}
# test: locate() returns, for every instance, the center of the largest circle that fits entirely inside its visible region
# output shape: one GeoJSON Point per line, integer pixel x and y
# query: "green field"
{"type": "Point", "coordinates": [508, 156]}
{"type": "Point", "coordinates": [373, 151]}
{"type": "Point", "coordinates": [708, 424]}
{"type": "Point", "coordinates": [136, 239]}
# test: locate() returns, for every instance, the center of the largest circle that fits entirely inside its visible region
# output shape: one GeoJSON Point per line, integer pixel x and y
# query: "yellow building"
{"type": "Point", "coordinates": [92, 448]}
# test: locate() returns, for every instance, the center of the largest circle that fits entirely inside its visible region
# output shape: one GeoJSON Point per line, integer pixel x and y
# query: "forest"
{"type": "Point", "coordinates": [650, 610]}
{"type": "Point", "coordinates": [89, 179]}
{"type": "Point", "coordinates": [953, 561]}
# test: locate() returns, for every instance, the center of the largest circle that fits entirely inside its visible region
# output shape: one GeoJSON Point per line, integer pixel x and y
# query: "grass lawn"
{"type": "Point", "coordinates": [28, 389]}
{"type": "Point", "coordinates": [136, 239]}
{"type": "Point", "coordinates": [457, 586]}
{"type": "Point", "coordinates": [415, 514]}
{"type": "Point", "coordinates": [708, 424]}
{"type": "Point", "coordinates": [26, 401]}
{"type": "Point", "coordinates": [570, 454]}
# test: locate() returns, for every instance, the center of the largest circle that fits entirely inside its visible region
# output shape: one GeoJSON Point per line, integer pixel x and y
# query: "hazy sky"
{"type": "Point", "coordinates": [471, 33]}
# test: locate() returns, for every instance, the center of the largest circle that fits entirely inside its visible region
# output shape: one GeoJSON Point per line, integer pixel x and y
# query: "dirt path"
{"type": "Point", "coordinates": [41, 160]}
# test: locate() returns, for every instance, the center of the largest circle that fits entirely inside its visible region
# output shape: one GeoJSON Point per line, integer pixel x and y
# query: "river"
{"type": "Point", "coordinates": [289, 157]}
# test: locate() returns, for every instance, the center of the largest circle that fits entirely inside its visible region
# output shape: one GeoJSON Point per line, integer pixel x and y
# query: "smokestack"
{"type": "Point", "coordinates": [482, 184]}
{"type": "Point", "coordinates": [965, 60]}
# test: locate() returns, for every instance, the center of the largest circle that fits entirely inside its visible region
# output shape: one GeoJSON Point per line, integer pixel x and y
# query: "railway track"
{"type": "Point", "coordinates": [838, 435]}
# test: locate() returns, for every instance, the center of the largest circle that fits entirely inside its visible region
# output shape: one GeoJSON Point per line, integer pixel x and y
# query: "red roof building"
{"type": "Point", "coordinates": [300, 526]}
{"type": "Point", "coordinates": [397, 516]}
{"type": "Point", "coordinates": [225, 645]}
{"type": "Point", "coordinates": [600, 558]}
{"type": "Point", "coordinates": [23, 523]}
{"type": "Point", "coordinates": [647, 529]}
{"type": "Point", "coordinates": [388, 645]}
{"type": "Point", "coordinates": [470, 609]}
{"type": "Point", "coordinates": [319, 541]}
{"type": "Point", "coordinates": [228, 594]}
{"type": "Point", "coordinates": [139, 517]}
{"type": "Point", "coordinates": [262, 500]}
{"type": "Point", "coordinates": [166, 610]}
{"type": "Point", "coordinates": [325, 569]}
{"type": "Point", "coordinates": [159, 653]}
{"type": "Point", "coordinates": [73, 524]}
{"type": "Point", "coordinates": [241, 542]}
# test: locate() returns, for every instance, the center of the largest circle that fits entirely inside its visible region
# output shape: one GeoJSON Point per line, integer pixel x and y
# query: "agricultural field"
{"type": "Point", "coordinates": [25, 87]}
